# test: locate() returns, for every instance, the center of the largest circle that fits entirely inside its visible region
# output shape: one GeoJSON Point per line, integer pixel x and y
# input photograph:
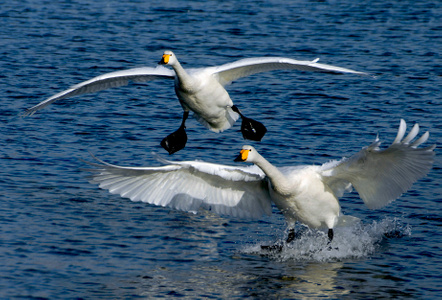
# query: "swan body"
{"type": "Point", "coordinates": [297, 205]}
{"type": "Point", "coordinates": [200, 90]}
{"type": "Point", "coordinates": [308, 194]}
{"type": "Point", "coordinates": [195, 88]}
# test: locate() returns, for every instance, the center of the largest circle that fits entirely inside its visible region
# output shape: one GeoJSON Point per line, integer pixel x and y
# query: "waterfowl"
{"type": "Point", "coordinates": [308, 194]}
{"type": "Point", "coordinates": [200, 90]}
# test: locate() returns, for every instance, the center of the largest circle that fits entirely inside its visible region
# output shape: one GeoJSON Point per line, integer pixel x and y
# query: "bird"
{"type": "Point", "coordinates": [308, 194]}
{"type": "Point", "coordinates": [200, 90]}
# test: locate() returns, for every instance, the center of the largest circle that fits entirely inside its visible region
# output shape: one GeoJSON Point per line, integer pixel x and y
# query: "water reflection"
{"type": "Point", "coordinates": [316, 280]}
{"type": "Point", "coordinates": [307, 269]}
{"type": "Point", "coordinates": [263, 281]}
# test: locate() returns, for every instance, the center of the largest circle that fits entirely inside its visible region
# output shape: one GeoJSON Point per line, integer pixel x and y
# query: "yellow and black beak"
{"type": "Point", "coordinates": [243, 154]}
{"type": "Point", "coordinates": [165, 59]}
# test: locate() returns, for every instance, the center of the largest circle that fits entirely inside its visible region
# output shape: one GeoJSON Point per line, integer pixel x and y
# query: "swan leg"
{"type": "Point", "coordinates": [330, 238]}
{"type": "Point", "coordinates": [291, 236]}
{"type": "Point", "coordinates": [330, 235]}
{"type": "Point", "coordinates": [177, 140]}
{"type": "Point", "coordinates": [278, 246]}
{"type": "Point", "coordinates": [251, 129]}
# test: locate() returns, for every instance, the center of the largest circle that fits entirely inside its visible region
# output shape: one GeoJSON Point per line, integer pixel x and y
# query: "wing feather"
{"type": "Point", "coordinates": [189, 186]}
{"type": "Point", "coordinates": [381, 176]}
{"type": "Point", "coordinates": [106, 81]}
{"type": "Point", "coordinates": [229, 72]}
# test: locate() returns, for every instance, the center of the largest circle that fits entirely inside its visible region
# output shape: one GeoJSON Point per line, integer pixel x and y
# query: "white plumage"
{"type": "Point", "coordinates": [190, 186]}
{"type": "Point", "coordinates": [200, 90]}
{"type": "Point", "coordinates": [308, 194]}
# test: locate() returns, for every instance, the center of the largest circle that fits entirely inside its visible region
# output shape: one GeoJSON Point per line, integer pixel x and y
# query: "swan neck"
{"type": "Point", "coordinates": [179, 70]}
{"type": "Point", "coordinates": [279, 182]}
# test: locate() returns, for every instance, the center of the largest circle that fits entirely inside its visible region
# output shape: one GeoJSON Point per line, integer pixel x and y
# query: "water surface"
{"type": "Point", "coordinates": [62, 237]}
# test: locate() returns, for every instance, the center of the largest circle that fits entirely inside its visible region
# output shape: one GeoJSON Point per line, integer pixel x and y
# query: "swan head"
{"type": "Point", "coordinates": [248, 154]}
{"type": "Point", "coordinates": [168, 58]}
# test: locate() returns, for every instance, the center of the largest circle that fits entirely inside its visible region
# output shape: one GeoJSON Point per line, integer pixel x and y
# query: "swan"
{"type": "Point", "coordinates": [200, 90]}
{"type": "Point", "coordinates": [308, 194]}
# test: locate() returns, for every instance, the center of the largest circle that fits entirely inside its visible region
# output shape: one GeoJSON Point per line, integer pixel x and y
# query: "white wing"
{"type": "Point", "coordinates": [190, 186]}
{"type": "Point", "coordinates": [229, 72]}
{"type": "Point", "coordinates": [225, 74]}
{"type": "Point", "coordinates": [106, 81]}
{"type": "Point", "coordinates": [381, 176]}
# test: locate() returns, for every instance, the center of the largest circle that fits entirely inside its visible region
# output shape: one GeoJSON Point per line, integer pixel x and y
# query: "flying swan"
{"type": "Point", "coordinates": [308, 194]}
{"type": "Point", "coordinates": [200, 90]}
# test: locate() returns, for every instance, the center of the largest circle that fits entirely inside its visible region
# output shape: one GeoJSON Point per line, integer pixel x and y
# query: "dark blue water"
{"type": "Point", "coordinates": [62, 237]}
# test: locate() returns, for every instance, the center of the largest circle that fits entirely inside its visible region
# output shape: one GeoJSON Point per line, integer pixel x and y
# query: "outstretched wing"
{"type": "Point", "coordinates": [190, 186]}
{"type": "Point", "coordinates": [229, 72]}
{"type": "Point", "coordinates": [106, 81]}
{"type": "Point", "coordinates": [381, 176]}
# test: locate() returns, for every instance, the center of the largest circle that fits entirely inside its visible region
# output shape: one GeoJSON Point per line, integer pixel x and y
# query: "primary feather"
{"type": "Point", "coordinates": [189, 186]}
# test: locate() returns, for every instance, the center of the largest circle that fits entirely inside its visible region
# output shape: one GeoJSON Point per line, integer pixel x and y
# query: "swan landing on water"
{"type": "Point", "coordinates": [307, 194]}
{"type": "Point", "coordinates": [200, 90]}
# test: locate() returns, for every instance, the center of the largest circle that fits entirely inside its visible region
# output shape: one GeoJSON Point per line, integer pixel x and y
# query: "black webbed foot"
{"type": "Point", "coordinates": [250, 129]}
{"type": "Point", "coordinates": [272, 248]}
{"type": "Point", "coordinates": [177, 140]}
{"type": "Point", "coordinates": [277, 247]}
{"type": "Point", "coordinates": [291, 236]}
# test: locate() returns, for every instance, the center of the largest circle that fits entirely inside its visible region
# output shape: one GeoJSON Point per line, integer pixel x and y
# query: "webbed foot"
{"type": "Point", "coordinates": [250, 129]}
{"type": "Point", "coordinates": [272, 248]}
{"type": "Point", "coordinates": [177, 140]}
{"type": "Point", "coordinates": [278, 246]}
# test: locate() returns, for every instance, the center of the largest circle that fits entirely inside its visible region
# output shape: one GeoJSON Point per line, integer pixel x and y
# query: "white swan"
{"type": "Point", "coordinates": [200, 90]}
{"type": "Point", "coordinates": [308, 194]}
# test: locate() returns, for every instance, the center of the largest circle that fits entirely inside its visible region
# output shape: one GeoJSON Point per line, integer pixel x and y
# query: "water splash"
{"type": "Point", "coordinates": [358, 241]}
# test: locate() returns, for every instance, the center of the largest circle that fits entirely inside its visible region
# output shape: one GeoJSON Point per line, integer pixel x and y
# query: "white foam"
{"type": "Point", "coordinates": [358, 241]}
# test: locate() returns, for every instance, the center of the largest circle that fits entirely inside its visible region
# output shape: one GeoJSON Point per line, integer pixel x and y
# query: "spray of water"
{"type": "Point", "coordinates": [357, 241]}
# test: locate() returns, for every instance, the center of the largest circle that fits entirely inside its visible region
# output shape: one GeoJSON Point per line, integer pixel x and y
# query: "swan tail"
{"type": "Point", "coordinates": [228, 121]}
